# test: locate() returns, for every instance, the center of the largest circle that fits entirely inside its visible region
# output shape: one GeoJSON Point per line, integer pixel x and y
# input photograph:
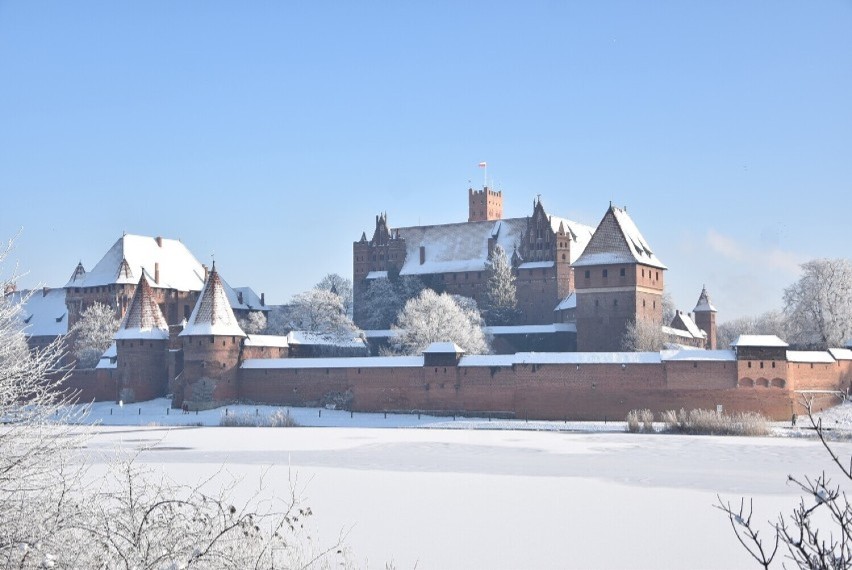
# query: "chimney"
{"type": "Point", "coordinates": [157, 272]}
{"type": "Point", "coordinates": [262, 300]}
{"type": "Point", "coordinates": [422, 254]}
{"type": "Point", "coordinates": [44, 291]}
{"type": "Point", "coordinates": [159, 241]}
{"type": "Point", "coordinates": [206, 271]}
{"type": "Point", "coordinates": [240, 297]}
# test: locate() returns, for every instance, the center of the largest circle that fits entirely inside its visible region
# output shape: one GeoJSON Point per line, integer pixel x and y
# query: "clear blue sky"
{"type": "Point", "coordinates": [272, 133]}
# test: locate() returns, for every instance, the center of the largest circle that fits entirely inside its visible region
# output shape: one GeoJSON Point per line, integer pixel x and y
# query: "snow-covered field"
{"type": "Point", "coordinates": [489, 498]}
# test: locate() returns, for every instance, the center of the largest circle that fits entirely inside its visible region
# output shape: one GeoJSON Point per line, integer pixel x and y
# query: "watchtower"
{"type": "Point", "coordinates": [484, 205]}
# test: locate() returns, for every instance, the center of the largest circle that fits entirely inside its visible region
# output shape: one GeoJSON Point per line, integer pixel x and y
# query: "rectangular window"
{"type": "Point", "coordinates": [587, 274]}
{"type": "Point", "coordinates": [605, 272]}
{"type": "Point", "coordinates": [622, 272]}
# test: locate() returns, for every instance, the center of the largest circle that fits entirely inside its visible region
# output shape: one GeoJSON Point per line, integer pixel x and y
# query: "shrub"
{"type": "Point", "coordinates": [640, 420]}
{"type": "Point", "coordinates": [278, 418]}
{"type": "Point", "coordinates": [707, 422]}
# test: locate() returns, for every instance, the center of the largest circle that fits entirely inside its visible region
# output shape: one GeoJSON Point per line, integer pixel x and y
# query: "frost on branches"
{"type": "Point", "coordinates": [501, 304]}
{"type": "Point", "coordinates": [53, 514]}
{"type": "Point", "coordinates": [643, 336]}
{"type": "Point", "coordinates": [341, 286]}
{"type": "Point", "coordinates": [254, 323]}
{"type": "Point", "coordinates": [385, 299]}
{"type": "Point", "coordinates": [818, 306]}
{"type": "Point", "coordinates": [93, 334]}
{"type": "Point", "coordinates": [320, 311]}
{"type": "Point", "coordinates": [439, 318]}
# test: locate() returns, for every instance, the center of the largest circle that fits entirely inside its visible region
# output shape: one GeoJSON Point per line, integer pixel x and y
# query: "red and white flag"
{"type": "Point", "coordinates": [482, 165]}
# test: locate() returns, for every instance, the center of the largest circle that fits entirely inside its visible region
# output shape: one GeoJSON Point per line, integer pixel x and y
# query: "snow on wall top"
{"type": "Point", "coordinates": [618, 240]}
{"type": "Point", "coordinates": [212, 314]}
{"type": "Point", "coordinates": [126, 259]}
{"type": "Point", "coordinates": [569, 302]}
{"type": "Point", "coordinates": [536, 265]}
{"type": "Point", "coordinates": [43, 311]}
{"type": "Point", "coordinates": [692, 354]}
{"type": "Point", "coordinates": [143, 319]}
{"type": "Point", "coordinates": [759, 340]}
{"type": "Point", "coordinates": [109, 359]}
{"type": "Point", "coordinates": [377, 275]}
{"type": "Point", "coordinates": [530, 329]}
{"type": "Point", "coordinates": [443, 348]}
{"type": "Point", "coordinates": [267, 340]}
{"type": "Point", "coordinates": [318, 339]}
{"type": "Point", "coordinates": [841, 353]}
{"type": "Point", "coordinates": [810, 356]}
{"type": "Point", "coordinates": [354, 362]}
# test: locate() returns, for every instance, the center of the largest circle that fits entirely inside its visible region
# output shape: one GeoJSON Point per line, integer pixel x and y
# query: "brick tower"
{"type": "Point", "coordinates": [705, 317]}
{"type": "Point", "coordinates": [618, 279]}
{"type": "Point", "coordinates": [141, 344]}
{"type": "Point", "coordinates": [211, 340]}
{"type": "Point", "coordinates": [484, 205]}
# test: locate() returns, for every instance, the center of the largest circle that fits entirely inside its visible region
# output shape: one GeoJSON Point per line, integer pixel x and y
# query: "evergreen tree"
{"type": "Point", "coordinates": [501, 302]}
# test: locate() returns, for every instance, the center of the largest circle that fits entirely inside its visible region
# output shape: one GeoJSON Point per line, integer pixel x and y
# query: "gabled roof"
{"type": "Point", "coordinates": [840, 353]}
{"type": "Point", "coordinates": [704, 305]}
{"type": "Point", "coordinates": [810, 356]}
{"type": "Point", "coordinates": [212, 314]}
{"type": "Point", "coordinates": [132, 255]}
{"type": "Point", "coordinates": [759, 340]}
{"type": "Point", "coordinates": [618, 240]}
{"type": "Point", "coordinates": [569, 302]}
{"type": "Point", "coordinates": [43, 311]}
{"type": "Point", "coordinates": [250, 299]}
{"type": "Point", "coordinates": [684, 322]}
{"type": "Point", "coordinates": [77, 276]}
{"type": "Point", "coordinates": [143, 319]}
{"type": "Point", "coordinates": [444, 348]}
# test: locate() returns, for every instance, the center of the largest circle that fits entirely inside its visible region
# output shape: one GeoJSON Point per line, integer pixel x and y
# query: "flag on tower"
{"type": "Point", "coordinates": [482, 165]}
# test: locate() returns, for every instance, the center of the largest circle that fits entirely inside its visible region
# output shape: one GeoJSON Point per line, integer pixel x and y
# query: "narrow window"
{"type": "Point", "coordinates": [588, 274]}
{"type": "Point", "coordinates": [605, 272]}
{"type": "Point", "coordinates": [622, 272]}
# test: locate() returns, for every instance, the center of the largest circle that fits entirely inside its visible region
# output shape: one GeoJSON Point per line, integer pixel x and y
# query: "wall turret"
{"type": "Point", "coordinates": [705, 317]}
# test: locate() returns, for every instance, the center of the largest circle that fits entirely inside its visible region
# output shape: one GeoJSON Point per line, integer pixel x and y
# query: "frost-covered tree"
{"type": "Point", "coordinates": [385, 298]}
{"type": "Point", "coordinates": [819, 305]}
{"type": "Point", "coordinates": [55, 515]}
{"type": "Point", "coordinates": [439, 318]}
{"type": "Point", "coordinates": [340, 285]}
{"type": "Point", "coordinates": [643, 336]}
{"type": "Point", "coordinates": [769, 323]}
{"type": "Point", "coordinates": [254, 323]}
{"type": "Point", "coordinates": [320, 311]}
{"type": "Point", "coordinates": [501, 300]}
{"type": "Point", "coordinates": [669, 309]}
{"type": "Point", "coordinates": [93, 334]}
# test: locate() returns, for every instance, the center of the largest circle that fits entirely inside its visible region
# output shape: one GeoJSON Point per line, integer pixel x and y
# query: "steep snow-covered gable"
{"type": "Point", "coordinates": [683, 322]}
{"type": "Point", "coordinates": [212, 314]}
{"type": "Point", "coordinates": [704, 305]}
{"type": "Point", "coordinates": [443, 348]}
{"type": "Point", "coordinates": [581, 234]}
{"type": "Point", "coordinates": [132, 255]}
{"type": "Point", "coordinates": [143, 319]}
{"type": "Point", "coordinates": [618, 240]}
{"type": "Point", "coordinates": [569, 302]}
{"type": "Point", "coordinates": [43, 312]}
{"type": "Point", "coordinates": [243, 298]}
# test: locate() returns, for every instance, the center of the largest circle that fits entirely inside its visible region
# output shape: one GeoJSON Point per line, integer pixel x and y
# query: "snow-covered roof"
{"type": "Point", "coordinates": [530, 329]}
{"type": "Point", "coordinates": [618, 240]}
{"type": "Point", "coordinates": [464, 246]}
{"type": "Point", "coordinates": [569, 302]}
{"type": "Point", "coordinates": [704, 304]}
{"type": "Point", "coordinates": [687, 324]}
{"type": "Point", "coordinates": [587, 358]}
{"type": "Point", "coordinates": [77, 276]}
{"type": "Point", "coordinates": [267, 340]}
{"type": "Point", "coordinates": [536, 265]}
{"type": "Point", "coordinates": [680, 333]}
{"type": "Point", "coordinates": [318, 339]}
{"type": "Point", "coordinates": [143, 319]}
{"type": "Point", "coordinates": [212, 314]}
{"type": "Point", "coordinates": [841, 353]}
{"type": "Point", "coordinates": [443, 348]}
{"type": "Point", "coordinates": [250, 299]}
{"type": "Point", "coordinates": [354, 362]}
{"type": "Point", "coordinates": [759, 340]}
{"type": "Point", "coordinates": [109, 358]}
{"type": "Point", "coordinates": [131, 254]}
{"type": "Point", "coordinates": [377, 275]}
{"type": "Point", "coordinates": [691, 354]}
{"type": "Point", "coordinates": [381, 333]}
{"type": "Point", "coordinates": [810, 356]}
{"type": "Point", "coordinates": [43, 311]}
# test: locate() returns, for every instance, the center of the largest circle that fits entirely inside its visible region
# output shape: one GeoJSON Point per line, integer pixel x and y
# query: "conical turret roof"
{"type": "Point", "coordinates": [212, 314]}
{"type": "Point", "coordinates": [704, 305]}
{"type": "Point", "coordinates": [78, 275]}
{"type": "Point", "coordinates": [143, 319]}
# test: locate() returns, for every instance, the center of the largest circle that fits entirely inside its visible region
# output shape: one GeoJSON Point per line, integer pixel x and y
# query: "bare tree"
{"type": "Point", "coordinates": [501, 303]}
{"type": "Point", "coordinates": [93, 334]}
{"type": "Point", "coordinates": [439, 318]}
{"type": "Point", "coordinates": [819, 305]}
{"type": "Point", "coordinates": [643, 336]}
{"type": "Point", "coordinates": [816, 534]}
{"type": "Point", "coordinates": [770, 322]}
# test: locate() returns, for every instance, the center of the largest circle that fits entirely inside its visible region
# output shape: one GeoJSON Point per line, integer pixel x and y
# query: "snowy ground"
{"type": "Point", "coordinates": [496, 498]}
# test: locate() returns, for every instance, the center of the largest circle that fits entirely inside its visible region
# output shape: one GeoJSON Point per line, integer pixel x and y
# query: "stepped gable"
{"type": "Point", "coordinates": [143, 319]}
{"type": "Point", "coordinates": [618, 240]}
{"type": "Point", "coordinates": [212, 314]}
{"type": "Point", "coordinates": [168, 263]}
{"type": "Point", "coordinates": [704, 305]}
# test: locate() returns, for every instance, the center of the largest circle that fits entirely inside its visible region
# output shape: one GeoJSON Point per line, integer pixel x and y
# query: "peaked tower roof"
{"type": "Point", "coordinates": [618, 240]}
{"type": "Point", "coordinates": [704, 305]}
{"type": "Point", "coordinates": [212, 314]}
{"type": "Point", "coordinates": [143, 319]}
{"type": "Point", "coordinates": [78, 276]}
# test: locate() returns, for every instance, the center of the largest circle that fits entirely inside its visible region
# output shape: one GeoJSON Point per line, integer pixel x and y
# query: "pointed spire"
{"type": "Point", "coordinates": [143, 319]}
{"type": "Point", "coordinates": [704, 305]}
{"type": "Point", "coordinates": [212, 314]}
{"type": "Point", "coordinates": [125, 274]}
{"type": "Point", "coordinates": [78, 275]}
